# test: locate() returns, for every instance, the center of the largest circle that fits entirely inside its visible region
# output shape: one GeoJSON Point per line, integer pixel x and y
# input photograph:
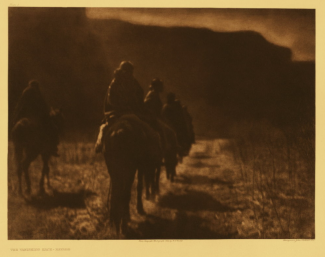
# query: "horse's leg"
{"type": "Point", "coordinates": [150, 176]}
{"type": "Point", "coordinates": [109, 196]}
{"type": "Point", "coordinates": [157, 178]}
{"type": "Point", "coordinates": [25, 165]}
{"type": "Point", "coordinates": [45, 172]}
{"type": "Point", "coordinates": [139, 192]}
{"type": "Point", "coordinates": [19, 157]}
{"type": "Point", "coordinates": [115, 201]}
{"type": "Point", "coordinates": [167, 167]}
{"type": "Point", "coordinates": [172, 172]}
{"type": "Point", "coordinates": [148, 181]}
{"type": "Point", "coordinates": [129, 178]}
{"type": "Point", "coordinates": [30, 155]}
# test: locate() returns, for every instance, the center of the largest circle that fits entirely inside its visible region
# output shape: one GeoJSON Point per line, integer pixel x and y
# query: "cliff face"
{"type": "Point", "coordinates": [222, 77]}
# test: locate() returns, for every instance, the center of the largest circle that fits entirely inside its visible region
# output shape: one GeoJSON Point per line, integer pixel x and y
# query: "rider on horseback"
{"type": "Point", "coordinates": [124, 96]}
{"type": "Point", "coordinates": [152, 101]}
{"type": "Point", "coordinates": [173, 115]}
{"type": "Point", "coordinates": [32, 105]}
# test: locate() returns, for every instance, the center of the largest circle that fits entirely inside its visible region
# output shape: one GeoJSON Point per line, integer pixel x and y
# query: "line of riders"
{"type": "Point", "coordinates": [124, 97]}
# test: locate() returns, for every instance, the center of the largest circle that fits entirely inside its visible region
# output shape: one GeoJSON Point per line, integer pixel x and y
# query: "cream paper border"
{"type": "Point", "coordinates": [115, 248]}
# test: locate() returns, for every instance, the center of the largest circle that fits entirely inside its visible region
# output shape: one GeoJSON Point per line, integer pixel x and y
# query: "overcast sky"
{"type": "Point", "coordinates": [292, 28]}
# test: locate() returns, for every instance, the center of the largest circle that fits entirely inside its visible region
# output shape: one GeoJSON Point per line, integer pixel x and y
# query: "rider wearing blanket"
{"type": "Point", "coordinates": [152, 101]}
{"type": "Point", "coordinates": [124, 96]}
{"type": "Point", "coordinates": [32, 106]}
{"type": "Point", "coordinates": [125, 99]}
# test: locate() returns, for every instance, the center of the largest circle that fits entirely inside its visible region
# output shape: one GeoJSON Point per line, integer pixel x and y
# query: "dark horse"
{"type": "Point", "coordinates": [31, 139]}
{"type": "Point", "coordinates": [171, 153]}
{"type": "Point", "coordinates": [129, 145]}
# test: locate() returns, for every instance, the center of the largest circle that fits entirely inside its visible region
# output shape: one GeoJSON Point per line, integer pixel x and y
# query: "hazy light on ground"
{"type": "Point", "coordinates": [292, 28]}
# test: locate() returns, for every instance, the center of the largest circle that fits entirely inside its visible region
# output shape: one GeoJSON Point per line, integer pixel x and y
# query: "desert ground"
{"type": "Point", "coordinates": [212, 197]}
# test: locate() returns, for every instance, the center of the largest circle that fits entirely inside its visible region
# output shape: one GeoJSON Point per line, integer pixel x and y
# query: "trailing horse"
{"type": "Point", "coordinates": [171, 152]}
{"type": "Point", "coordinates": [31, 138]}
{"type": "Point", "coordinates": [130, 144]}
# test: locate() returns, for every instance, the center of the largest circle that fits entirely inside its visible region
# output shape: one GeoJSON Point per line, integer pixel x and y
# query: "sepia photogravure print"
{"type": "Point", "coordinates": [161, 123]}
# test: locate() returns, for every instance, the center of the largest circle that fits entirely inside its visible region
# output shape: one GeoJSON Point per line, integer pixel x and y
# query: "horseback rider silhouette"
{"type": "Point", "coordinates": [32, 106]}
{"type": "Point", "coordinates": [173, 115]}
{"type": "Point", "coordinates": [152, 101]}
{"type": "Point", "coordinates": [124, 96]}
{"type": "Point", "coordinates": [189, 123]}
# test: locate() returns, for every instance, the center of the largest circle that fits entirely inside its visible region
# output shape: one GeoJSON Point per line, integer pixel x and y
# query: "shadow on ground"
{"type": "Point", "coordinates": [74, 200]}
{"type": "Point", "coordinates": [201, 180]}
{"type": "Point", "coordinates": [200, 156]}
{"type": "Point", "coordinates": [200, 164]}
{"type": "Point", "coordinates": [182, 227]}
{"type": "Point", "coordinates": [193, 201]}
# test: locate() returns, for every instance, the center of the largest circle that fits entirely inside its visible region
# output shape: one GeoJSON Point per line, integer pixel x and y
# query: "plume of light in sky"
{"type": "Point", "coordinates": [292, 28]}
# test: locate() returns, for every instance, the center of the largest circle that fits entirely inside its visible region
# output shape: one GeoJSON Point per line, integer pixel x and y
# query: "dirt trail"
{"type": "Point", "coordinates": [206, 201]}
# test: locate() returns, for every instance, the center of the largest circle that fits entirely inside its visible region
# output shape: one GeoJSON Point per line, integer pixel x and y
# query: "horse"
{"type": "Point", "coordinates": [171, 154]}
{"type": "Point", "coordinates": [130, 144]}
{"type": "Point", "coordinates": [31, 139]}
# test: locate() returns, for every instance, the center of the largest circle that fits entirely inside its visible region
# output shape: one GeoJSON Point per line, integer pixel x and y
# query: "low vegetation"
{"type": "Point", "coordinates": [259, 184]}
{"type": "Point", "coordinates": [278, 168]}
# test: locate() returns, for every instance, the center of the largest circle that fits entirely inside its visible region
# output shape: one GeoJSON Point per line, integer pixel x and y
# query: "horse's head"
{"type": "Point", "coordinates": [57, 117]}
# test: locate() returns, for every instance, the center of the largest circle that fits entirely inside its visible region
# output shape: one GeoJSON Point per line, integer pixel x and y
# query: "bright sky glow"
{"type": "Point", "coordinates": [292, 28]}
